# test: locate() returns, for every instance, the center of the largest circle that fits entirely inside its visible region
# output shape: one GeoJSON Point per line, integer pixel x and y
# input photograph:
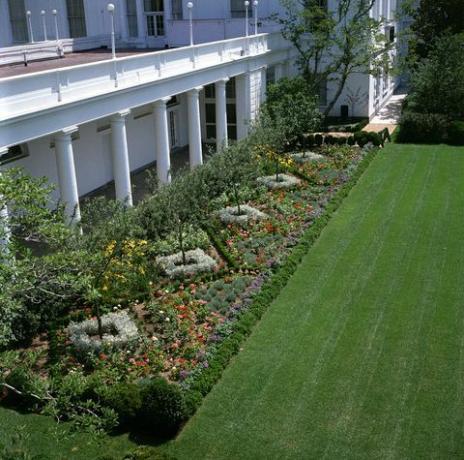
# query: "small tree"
{"type": "Point", "coordinates": [334, 44]}
{"type": "Point", "coordinates": [235, 167]}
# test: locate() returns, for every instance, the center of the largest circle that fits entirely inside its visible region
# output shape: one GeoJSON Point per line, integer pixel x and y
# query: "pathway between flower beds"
{"type": "Point", "coordinates": [362, 354]}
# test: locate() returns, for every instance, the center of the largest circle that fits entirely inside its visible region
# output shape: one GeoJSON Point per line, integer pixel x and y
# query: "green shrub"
{"type": "Point", "coordinates": [428, 128]}
{"type": "Point", "coordinates": [350, 141]}
{"type": "Point", "coordinates": [125, 399]}
{"type": "Point", "coordinates": [318, 139]}
{"type": "Point", "coordinates": [456, 133]}
{"type": "Point", "coordinates": [361, 138]}
{"type": "Point", "coordinates": [164, 407]}
{"type": "Point", "coordinates": [375, 138]}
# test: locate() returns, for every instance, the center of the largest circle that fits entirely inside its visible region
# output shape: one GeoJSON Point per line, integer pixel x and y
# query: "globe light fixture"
{"type": "Point", "coordinates": [190, 7]}
{"type": "Point", "coordinates": [110, 9]}
{"type": "Point", "coordinates": [44, 25]}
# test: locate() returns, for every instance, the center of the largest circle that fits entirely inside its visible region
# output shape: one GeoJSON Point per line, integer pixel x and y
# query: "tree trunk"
{"type": "Point", "coordinates": [181, 244]}
{"type": "Point", "coordinates": [236, 197]}
{"type": "Point", "coordinates": [99, 321]}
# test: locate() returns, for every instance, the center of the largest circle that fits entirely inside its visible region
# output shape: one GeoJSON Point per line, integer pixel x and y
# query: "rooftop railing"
{"type": "Point", "coordinates": [32, 92]}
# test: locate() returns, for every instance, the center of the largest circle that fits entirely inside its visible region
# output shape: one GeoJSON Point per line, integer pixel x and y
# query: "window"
{"type": "Point", "coordinates": [14, 153]}
{"type": "Point", "coordinates": [154, 12]}
{"type": "Point", "coordinates": [132, 18]}
{"type": "Point", "coordinates": [270, 76]}
{"type": "Point", "coordinates": [153, 5]}
{"type": "Point", "coordinates": [237, 9]}
{"type": "Point", "coordinates": [176, 7]}
{"type": "Point", "coordinates": [18, 21]}
{"type": "Point", "coordinates": [76, 18]}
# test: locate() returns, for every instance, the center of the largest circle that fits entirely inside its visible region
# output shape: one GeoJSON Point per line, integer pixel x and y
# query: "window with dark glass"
{"type": "Point", "coordinates": [176, 9]}
{"type": "Point", "coordinates": [76, 18]}
{"type": "Point", "coordinates": [238, 9]}
{"type": "Point", "coordinates": [14, 153]}
{"type": "Point", "coordinates": [18, 21]}
{"type": "Point", "coordinates": [132, 18]}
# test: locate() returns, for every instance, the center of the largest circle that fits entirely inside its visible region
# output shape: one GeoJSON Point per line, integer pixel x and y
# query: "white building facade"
{"type": "Point", "coordinates": [86, 125]}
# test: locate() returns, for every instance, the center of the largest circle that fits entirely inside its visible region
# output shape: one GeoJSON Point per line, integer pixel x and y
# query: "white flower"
{"type": "Point", "coordinates": [161, 312]}
{"type": "Point", "coordinates": [230, 214]}
{"type": "Point", "coordinates": [174, 368]}
{"type": "Point", "coordinates": [285, 181]}
{"type": "Point", "coordinates": [167, 319]}
{"type": "Point", "coordinates": [197, 261]}
{"type": "Point", "coordinates": [154, 338]}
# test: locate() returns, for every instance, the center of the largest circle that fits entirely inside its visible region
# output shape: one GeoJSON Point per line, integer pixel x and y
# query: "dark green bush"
{"type": "Point", "coordinates": [428, 128]}
{"type": "Point", "coordinates": [456, 133]}
{"type": "Point", "coordinates": [164, 407]}
{"type": "Point", "coordinates": [375, 138]}
{"type": "Point", "coordinates": [361, 138]}
{"type": "Point", "coordinates": [350, 141]}
{"type": "Point", "coordinates": [125, 399]}
{"type": "Point", "coordinates": [318, 139]}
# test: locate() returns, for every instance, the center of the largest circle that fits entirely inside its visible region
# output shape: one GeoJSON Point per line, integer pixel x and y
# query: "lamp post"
{"type": "Point", "coordinates": [110, 9]}
{"type": "Point", "coordinates": [255, 5]}
{"type": "Point", "coordinates": [55, 13]}
{"type": "Point", "coordinates": [29, 23]}
{"type": "Point", "coordinates": [247, 4]}
{"type": "Point", "coordinates": [190, 7]}
{"type": "Point", "coordinates": [44, 24]}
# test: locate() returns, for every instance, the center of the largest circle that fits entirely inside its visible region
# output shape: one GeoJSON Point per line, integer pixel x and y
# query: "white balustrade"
{"type": "Point", "coordinates": [30, 93]}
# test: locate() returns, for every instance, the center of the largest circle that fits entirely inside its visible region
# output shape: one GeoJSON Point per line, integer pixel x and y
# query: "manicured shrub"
{"type": "Point", "coordinates": [375, 138]}
{"type": "Point", "coordinates": [125, 399]}
{"type": "Point", "coordinates": [361, 138]}
{"type": "Point", "coordinates": [318, 139]}
{"type": "Point", "coordinates": [164, 407]}
{"type": "Point", "coordinates": [350, 141]}
{"type": "Point", "coordinates": [428, 128]}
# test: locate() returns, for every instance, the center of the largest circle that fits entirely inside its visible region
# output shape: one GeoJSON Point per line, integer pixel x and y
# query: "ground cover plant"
{"type": "Point", "coordinates": [133, 342]}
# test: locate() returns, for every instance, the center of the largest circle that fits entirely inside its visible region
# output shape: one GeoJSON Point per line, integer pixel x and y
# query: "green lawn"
{"type": "Point", "coordinates": [362, 354]}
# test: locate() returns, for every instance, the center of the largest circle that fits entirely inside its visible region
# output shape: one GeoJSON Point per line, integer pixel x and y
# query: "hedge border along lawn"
{"type": "Point", "coordinates": [204, 382]}
{"type": "Point", "coordinates": [361, 355]}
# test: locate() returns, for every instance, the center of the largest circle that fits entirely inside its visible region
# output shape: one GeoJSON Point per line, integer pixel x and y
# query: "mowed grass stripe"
{"type": "Point", "coordinates": [361, 356]}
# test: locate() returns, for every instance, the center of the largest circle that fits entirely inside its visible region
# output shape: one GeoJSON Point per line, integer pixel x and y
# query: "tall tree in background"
{"type": "Point", "coordinates": [334, 44]}
{"type": "Point", "coordinates": [432, 19]}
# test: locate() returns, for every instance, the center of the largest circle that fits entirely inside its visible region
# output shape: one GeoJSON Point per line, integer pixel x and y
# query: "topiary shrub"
{"type": "Point", "coordinates": [125, 399]}
{"type": "Point", "coordinates": [318, 139]}
{"type": "Point", "coordinates": [361, 138]}
{"type": "Point", "coordinates": [164, 407]}
{"type": "Point", "coordinates": [375, 138]}
{"type": "Point", "coordinates": [350, 141]}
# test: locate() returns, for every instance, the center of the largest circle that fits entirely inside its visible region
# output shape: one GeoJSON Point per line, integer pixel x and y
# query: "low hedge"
{"type": "Point", "coordinates": [429, 128]}
{"type": "Point", "coordinates": [202, 383]}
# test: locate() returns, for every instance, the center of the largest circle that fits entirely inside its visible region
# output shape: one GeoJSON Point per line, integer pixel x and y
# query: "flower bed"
{"type": "Point", "coordinates": [284, 181]}
{"type": "Point", "coordinates": [197, 261]}
{"type": "Point", "coordinates": [231, 214]}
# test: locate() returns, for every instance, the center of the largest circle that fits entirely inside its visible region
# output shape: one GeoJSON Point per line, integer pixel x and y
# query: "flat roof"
{"type": "Point", "coordinates": [69, 59]}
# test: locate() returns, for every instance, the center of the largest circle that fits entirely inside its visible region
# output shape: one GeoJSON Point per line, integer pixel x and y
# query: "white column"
{"type": "Point", "coordinates": [221, 114]}
{"type": "Point", "coordinates": [67, 173]}
{"type": "Point", "coordinates": [278, 72]}
{"type": "Point", "coordinates": [4, 227]}
{"type": "Point", "coordinates": [141, 20]}
{"type": "Point", "coordinates": [242, 100]}
{"type": "Point", "coordinates": [123, 24]}
{"type": "Point", "coordinates": [163, 160]}
{"type": "Point", "coordinates": [120, 156]}
{"type": "Point", "coordinates": [195, 148]}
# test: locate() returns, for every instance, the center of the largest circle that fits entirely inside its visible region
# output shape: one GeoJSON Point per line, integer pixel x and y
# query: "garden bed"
{"type": "Point", "coordinates": [188, 316]}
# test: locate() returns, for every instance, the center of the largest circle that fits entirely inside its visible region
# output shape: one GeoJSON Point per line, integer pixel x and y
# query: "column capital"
{"type": "Point", "coordinates": [194, 91]}
{"type": "Point", "coordinates": [120, 116]}
{"type": "Point", "coordinates": [162, 102]}
{"type": "Point", "coordinates": [222, 82]}
{"type": "Point", "coordinates": [66, 132]}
